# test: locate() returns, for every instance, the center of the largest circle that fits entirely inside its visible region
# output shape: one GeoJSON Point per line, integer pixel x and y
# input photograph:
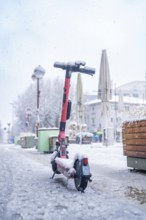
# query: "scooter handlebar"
{"type": "Point", "coordinates": [60, 65]}
{"type": "Point", "coordinates": [87, 70]}
{"type": "Point", "coordinates": [75, 67]}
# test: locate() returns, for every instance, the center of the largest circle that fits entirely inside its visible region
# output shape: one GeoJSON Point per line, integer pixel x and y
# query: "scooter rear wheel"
{"type": "Point", "coordinates": [80, 181]}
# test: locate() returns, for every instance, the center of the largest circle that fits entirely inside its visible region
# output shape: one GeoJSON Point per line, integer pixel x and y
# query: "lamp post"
{"type": "Point", "coordinates": [37, 75]}
{"type": "Point", "coordinates": [28, 114]}
{"type": "Point", "coordinates": [8, 132]}
{"type": "Point", "coordinates": [145, 90]}
{"type": "Point", "coordinates": [13, 104]}
{"type": "Point", "coordinates": [116, 103]}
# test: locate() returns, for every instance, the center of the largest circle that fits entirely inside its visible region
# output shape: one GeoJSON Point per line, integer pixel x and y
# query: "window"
{"type": "Point", "coordinates": [93, 122]}
{"type": "Point", "coordinates": [115, 107]}
{"type": "Point", "coordinates": [135, 95]}
{"type": "Point", "coordinates": [126, 107]}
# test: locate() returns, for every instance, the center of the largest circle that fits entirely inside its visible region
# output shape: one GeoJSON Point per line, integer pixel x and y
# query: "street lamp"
{"type": "Point", "coordinates": [37, 75]}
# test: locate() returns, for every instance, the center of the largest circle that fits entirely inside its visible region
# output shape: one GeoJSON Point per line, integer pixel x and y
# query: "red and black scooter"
{"type": "Point", "coordinates": [61, 164]}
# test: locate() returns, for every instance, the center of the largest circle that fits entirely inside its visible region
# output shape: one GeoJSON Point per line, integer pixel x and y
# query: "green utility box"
{"type": "Point", "coordinates": [43, 138]}
{"type": "Point", "coordinates": [17, 140]}
{"type": "Point", "coordinates": [27, 141]}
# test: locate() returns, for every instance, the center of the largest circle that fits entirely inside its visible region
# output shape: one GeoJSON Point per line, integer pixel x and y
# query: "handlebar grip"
{"type": "Point", "coordinates": [88, 70]}
{"type": "Point", "coordinates": [59, 65]}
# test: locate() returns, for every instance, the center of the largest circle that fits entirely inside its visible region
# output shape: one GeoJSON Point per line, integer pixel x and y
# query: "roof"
{"type": "Point", "coordinates": [125, 99]}
{"type": "Point", "coordinates": [135, 85]}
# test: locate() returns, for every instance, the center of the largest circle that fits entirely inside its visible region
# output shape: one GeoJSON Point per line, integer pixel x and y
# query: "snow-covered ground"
{"type": "Point", "coordinates": [111, 174]}
{"type": "Point", "coordinates": [28, 193]}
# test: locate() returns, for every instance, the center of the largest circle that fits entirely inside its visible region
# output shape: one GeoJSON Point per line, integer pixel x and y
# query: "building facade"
{"type": "Point", "coordinates": [127, 103]}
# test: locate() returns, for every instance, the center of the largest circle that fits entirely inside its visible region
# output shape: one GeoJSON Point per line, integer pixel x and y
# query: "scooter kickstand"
{"type": "Point", "coordinates": [53, 175]}
{"type": "Point", "coordinates": [81, 190]}
{"type": "Point", "coordinates": [67, 182]}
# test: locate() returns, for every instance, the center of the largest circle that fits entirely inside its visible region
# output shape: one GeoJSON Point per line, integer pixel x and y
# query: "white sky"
{"type": "Point", "coordinates": [43, 31]}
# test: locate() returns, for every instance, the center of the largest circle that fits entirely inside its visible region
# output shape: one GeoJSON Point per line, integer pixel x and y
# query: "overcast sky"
{"type": "Point", "coordinates": [34, 32]}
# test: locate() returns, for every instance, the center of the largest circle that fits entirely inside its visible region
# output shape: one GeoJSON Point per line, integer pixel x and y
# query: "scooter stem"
{"type": "Point", "coordinates": [61, 136]}
{"type": "Point", "coordinates": [78, 66]}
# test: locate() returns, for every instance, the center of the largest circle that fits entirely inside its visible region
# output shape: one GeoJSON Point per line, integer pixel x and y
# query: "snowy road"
{"type": "Point", "coordinates": [28, 193]}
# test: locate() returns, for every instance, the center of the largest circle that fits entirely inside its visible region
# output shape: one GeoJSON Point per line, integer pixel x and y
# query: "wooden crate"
{"type": "Point", "coordinates": [52, 142]}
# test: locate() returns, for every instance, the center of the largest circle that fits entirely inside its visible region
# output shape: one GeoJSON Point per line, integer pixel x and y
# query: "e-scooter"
{"type": "Point", "coordinates": [61, 164]}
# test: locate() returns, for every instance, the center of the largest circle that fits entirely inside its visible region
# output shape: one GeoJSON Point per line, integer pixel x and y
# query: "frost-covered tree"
{"type": "Point", "coordinates": [1, 132]}
{"type": "Point", "coordinates": [25, 101]}
{"type": "Point", "coordinates": [50, 102]}
{"type": "Point", "coordinates": [51, 92]}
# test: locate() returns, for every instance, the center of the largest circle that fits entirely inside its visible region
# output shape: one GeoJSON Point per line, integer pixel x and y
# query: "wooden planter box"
{"type": "Point", "coordinates": [134, 138]}
{"type": "Point", "coordinates": [134, 143]}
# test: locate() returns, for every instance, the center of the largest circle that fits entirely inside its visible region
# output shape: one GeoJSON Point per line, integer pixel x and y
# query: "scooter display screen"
{"type": "Point", "coordinates": [85, 170]}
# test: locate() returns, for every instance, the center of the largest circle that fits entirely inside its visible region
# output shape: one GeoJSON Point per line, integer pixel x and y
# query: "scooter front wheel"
{"type": "Point", "coordinates": [80, 181]}
{"type": "Point", "coordinates": [54, 167]}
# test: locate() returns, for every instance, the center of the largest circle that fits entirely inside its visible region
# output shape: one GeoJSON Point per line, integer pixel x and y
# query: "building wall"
{"type": "Point", "coordinates": [122, 106]}
{"type": "Point", "coordinates": [118, 113]}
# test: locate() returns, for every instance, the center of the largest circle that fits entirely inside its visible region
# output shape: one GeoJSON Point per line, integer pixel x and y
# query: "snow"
{"type": "Point", "coordinates": [126, 99]}
{"type": "Point", "coordinates": [67, 164]}
{"type": "Point", "coordinates": [54, 154]}
{"type": "Point", "coordinates": [52, 128]}
{"type": "Point", "coordinates": [87, 134]}
{"type": "Point", "coordinates": [80, 156]}
{"type": "Point", "coordinates": [136, 119]}
{"type": "Point", "coordinates": [63, 162]}
{"type": "Point", "coordinates": [28, 193]}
